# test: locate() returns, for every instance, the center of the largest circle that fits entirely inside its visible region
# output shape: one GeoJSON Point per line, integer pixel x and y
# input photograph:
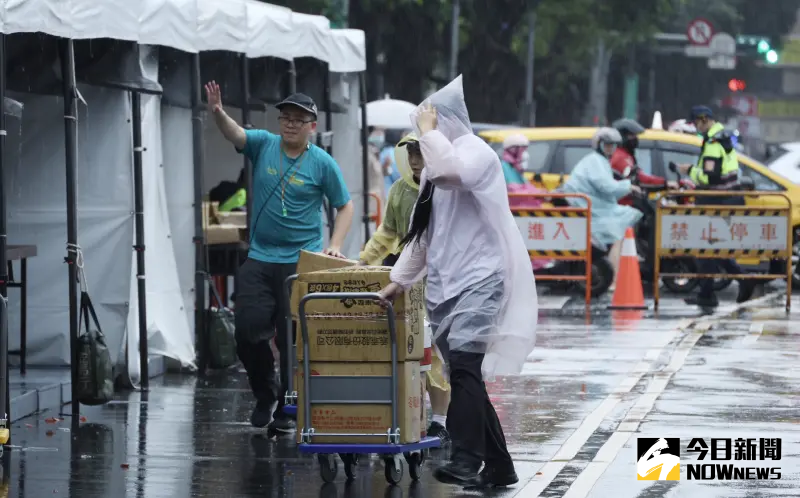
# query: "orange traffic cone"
{"type": "Point", "coordinates": [628, 294]}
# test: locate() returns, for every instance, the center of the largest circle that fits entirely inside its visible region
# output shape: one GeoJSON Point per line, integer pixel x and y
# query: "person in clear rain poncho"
{"type": "Point", "coordinates": [481, 294]}
{"type": "Point", "coordinates": [384, 247]}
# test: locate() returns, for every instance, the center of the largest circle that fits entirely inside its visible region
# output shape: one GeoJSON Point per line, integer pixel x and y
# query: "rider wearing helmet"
{"type": "Point", "coordinates": [594, 177]}
{"type": "Point", "coordinates": [624, 159]}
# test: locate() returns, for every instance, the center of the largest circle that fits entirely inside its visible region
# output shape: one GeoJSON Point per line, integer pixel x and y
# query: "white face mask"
{"type": "Point", "coordinates": [377, 140]}
{"type": "Point", "coordinates": [523, 162]}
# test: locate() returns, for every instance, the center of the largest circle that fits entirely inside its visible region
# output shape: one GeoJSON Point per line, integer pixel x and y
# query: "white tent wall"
{"type": "Point", "coordinates": [178, 161]}
{"type": "Point", "coordinates": [36, 187]}
{"type": "Point", "coordinates": [168, 330]}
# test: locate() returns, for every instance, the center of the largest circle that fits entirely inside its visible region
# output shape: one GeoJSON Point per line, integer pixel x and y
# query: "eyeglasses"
{"type": "Point", "coordinates": [293, 122]}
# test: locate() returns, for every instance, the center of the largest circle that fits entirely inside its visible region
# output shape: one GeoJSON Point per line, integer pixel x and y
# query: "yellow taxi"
{"type": "Point", "coordinates": [554, 152]}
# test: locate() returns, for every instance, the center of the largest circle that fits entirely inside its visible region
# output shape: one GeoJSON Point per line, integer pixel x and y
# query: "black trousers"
{"type": "Point", "coordinates": [261, 314]}
{"type": "Point", "coordinates": [705, 265]}
{"type": "Point", "coordinates": [471, 420]}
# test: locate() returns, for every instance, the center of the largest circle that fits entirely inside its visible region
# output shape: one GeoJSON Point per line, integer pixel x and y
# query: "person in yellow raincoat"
{"type": "Point", "coordinates": [384, 247]}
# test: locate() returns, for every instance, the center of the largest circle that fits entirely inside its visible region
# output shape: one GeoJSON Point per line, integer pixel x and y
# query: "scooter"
{"type": "Point", "coordinates": [645, 238]}
{"type": "Point", "coordinates": [602, 270]}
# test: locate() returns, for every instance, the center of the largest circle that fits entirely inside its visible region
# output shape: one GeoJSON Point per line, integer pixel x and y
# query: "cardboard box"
{"type": "Point", "coordinates": [359, 279]}
{"type": "Point", "coordinates": [316, 261]}
{"type": "Point", "coordinates": [311, 262]}
{"type": "Point", "coordinates": [362, 339]}
{"type": "Point", "coordinates": [223, 234]}
{"type": "Point", "coordinates": [364, 418]}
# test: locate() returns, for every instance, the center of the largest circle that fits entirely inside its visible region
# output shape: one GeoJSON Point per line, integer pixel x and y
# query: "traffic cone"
{"type": "Point", "coordinates": [629, 294]}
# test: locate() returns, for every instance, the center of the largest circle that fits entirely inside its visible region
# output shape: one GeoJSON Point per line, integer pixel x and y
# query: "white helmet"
{"type": "Point", "coordinates": [606, 135]}
{"type": "Point", "coordinates": [682, 126]}
{"type": "Point", "coordinates": [516, 140]}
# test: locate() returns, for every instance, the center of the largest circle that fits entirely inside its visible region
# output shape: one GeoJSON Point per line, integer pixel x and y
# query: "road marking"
{"type": "Point", "coordinates": [592, 422]}
{"type": "Point", "coordinates": [756, 328]}
{"type": "Point", "coordinates": [583, 484]}
{"type": "Point", "coordinates": [553, 302]}
{"type": "Point", "coordinates": [696, 327]}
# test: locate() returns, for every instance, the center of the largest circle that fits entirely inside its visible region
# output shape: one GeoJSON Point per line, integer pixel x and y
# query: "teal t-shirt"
{"type": "Point", "coordinates": [512, 176]}
{"type": "Point", "coordinates": [277, 238]}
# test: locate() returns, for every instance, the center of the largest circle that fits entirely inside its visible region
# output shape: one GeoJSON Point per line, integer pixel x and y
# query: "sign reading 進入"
{"type": "Point", "coordinates": [552, 234]}
{"type": "Point", "coordinates": [709, 459]}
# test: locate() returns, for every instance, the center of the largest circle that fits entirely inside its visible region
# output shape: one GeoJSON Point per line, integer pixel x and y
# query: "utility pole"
{"type": "Point", "coordinates": [530, 105]}
{"type": "Point", "coordinates": [631, 95]}
{"type": "Point", "coordinates": [454, 41]}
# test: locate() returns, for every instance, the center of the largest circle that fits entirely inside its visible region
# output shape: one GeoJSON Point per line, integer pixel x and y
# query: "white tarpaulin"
{"type": "Point", "coordinates": [245, 26]}
{"type": "Point", "coordinates": [35, 175]}
{"type": "Point", "coordinates": [36, 187]}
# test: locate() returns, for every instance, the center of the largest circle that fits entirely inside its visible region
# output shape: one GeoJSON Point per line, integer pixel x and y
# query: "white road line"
{"type": "Point", "coordinates": [577, 439]}
{"type": "Point", "coordinates": [583, 484]}
{"type": "Point", "coordinates": [756, 328]}
{"type": "Point", "coordinates": [611, 448]}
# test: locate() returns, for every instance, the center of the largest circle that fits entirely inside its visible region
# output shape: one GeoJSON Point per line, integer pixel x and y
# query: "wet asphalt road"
{"type": "Point", "coordinates": [593, 385]}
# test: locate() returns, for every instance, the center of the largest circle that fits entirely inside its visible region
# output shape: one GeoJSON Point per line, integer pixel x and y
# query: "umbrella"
{"type": "Point", "coordinates": [390, 113]}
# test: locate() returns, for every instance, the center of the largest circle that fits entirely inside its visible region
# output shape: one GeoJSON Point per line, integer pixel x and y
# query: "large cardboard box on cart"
{"type": "Point", "coordinates": [365, 418]}
{"type": "Point", "coordinates": [311, 262]}
{"type": "Point", "coordinates": [355, 329]}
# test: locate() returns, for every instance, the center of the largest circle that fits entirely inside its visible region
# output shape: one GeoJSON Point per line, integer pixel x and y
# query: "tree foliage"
{"type": "Point", "coordinates": [413, 37]}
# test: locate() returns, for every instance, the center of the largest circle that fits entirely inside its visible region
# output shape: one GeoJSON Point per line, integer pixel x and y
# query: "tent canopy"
{"type": "Point", "coordinates": [245, 26]}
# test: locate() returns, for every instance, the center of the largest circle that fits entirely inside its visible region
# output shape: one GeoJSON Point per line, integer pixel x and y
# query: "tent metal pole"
{"type": "Point", "coordinates": [71, 149]}
{"type": "Point", "coordinates": [292, 77]}
{"type": "Point", "coordinates": [248, 168]}
{"type": "Point", "coordinates": [138, 206]}
{"type": "Point", "coordinates": [362, 85]}
{"type": "Point", "coordinates": [4, 381]}
{"type": "Point", "coordinates": [201, 338]}
{"type": "Point", "coordinates": [326, 102]}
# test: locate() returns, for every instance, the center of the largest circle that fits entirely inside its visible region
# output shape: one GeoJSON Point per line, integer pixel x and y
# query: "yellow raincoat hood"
{"type": "Point", "coordinates": [401, 160]}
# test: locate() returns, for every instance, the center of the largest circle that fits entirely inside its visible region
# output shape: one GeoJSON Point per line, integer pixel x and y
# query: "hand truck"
{"type": "Point", "coordinates": [290, 399]}
{"type": "Point", "coordinates": [381, 390]}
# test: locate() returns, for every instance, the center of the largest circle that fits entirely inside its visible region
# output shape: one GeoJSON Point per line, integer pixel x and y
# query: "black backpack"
{"type": "Point", "coordinates": [95, 370]}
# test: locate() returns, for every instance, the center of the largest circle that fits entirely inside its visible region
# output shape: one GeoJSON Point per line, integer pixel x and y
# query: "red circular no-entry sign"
{"type": "Point", "coordinates": [700, 32]}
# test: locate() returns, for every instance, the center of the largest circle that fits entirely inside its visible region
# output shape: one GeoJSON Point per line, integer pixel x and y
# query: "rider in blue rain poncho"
{"type": "Point", "coordinates": [594, 177]}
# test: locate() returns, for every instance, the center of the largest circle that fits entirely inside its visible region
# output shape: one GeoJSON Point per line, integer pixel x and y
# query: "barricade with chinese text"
{"type": "Point", "coordinates": [722, 232]}
{"type": "Point", "coordinates": [557, 233]}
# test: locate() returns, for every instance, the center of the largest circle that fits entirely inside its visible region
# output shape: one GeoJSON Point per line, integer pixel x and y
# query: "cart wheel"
{"type": "Point", "coordinates": [415, 464]}
{"type": "Point", "coordinates": [328, 468]}
{"type": "Point", "coordinates": [393, 470]}
{"type": "Point", "coordinates": [350, 461]}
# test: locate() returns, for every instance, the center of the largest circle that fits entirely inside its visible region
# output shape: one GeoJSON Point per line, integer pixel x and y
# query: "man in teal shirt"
{"type": "Point", "coordinates": [290, 178]}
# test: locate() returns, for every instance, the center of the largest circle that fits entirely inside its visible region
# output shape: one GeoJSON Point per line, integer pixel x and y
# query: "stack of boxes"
{"type": "Point", "coordinates": [351, 338]}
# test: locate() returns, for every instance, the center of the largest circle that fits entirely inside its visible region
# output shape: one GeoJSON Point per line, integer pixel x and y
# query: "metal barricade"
{"type": "Point", "coordinates": [376, 216]}
{"type": "Point", "coordinates": [558, 233]}
{"type": "Point", "coordinates": [722, 232]}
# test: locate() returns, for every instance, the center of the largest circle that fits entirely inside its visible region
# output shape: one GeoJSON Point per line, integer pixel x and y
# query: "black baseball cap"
{"type": "Point", "coordinates": [300, 100]}
{"type": "Point", "coordinates": [700, 111]}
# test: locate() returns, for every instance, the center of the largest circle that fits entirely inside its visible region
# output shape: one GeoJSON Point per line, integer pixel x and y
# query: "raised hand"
{"type": "Point", "coordinates": [214, 96]}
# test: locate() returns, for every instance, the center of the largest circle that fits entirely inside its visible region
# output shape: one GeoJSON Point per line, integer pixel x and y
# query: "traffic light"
{"type": "Point", "coordinates": [772, 57]}
{"type": "Point", "coordinates": [737, 85]}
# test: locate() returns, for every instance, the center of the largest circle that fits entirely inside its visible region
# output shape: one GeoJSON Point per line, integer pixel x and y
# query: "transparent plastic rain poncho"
{"type": "Point", "coordinates": [456, 159]}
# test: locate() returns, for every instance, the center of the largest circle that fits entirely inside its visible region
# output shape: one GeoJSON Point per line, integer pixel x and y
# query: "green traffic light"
{"type": "Point", "coordinates": [763, 46]}
{"type": "Point", "coordinates": [772, 57]}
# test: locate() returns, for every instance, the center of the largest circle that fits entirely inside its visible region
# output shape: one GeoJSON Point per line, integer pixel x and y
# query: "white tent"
{"type": "Point", "coordinates": [35, 164]}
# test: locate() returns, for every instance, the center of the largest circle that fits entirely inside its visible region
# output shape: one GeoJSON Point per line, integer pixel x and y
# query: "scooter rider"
{"type": "Point", "coordinates": [594, 177]}
{"type": "Point", "coordinates": [716, 169]}
{"type": "Point", "coordinates": [624, 162]}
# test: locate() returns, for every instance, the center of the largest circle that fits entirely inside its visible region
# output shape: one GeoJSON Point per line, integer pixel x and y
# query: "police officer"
{"type": "Point", "coordinates": [716, 169]}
